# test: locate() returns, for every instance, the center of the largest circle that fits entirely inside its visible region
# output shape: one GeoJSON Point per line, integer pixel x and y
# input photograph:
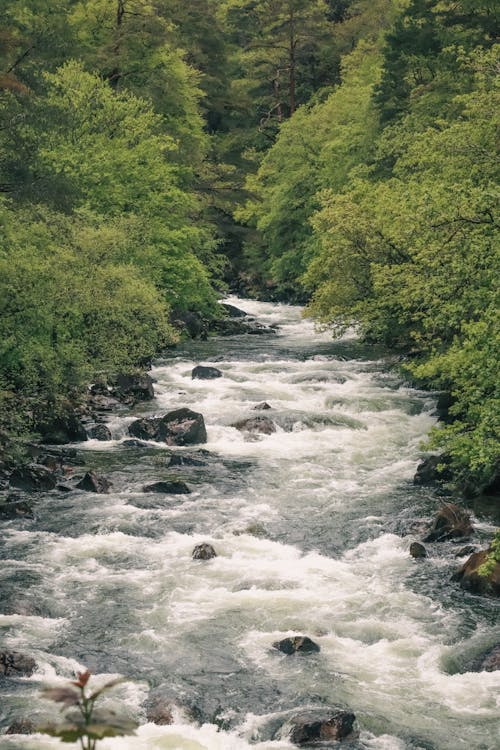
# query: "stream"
{"type": "Point", "coordinates": [311, 525]}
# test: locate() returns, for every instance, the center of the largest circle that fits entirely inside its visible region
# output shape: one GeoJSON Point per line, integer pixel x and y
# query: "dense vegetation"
{"type": "Point", "coordinates": [381, 201]}
{"type": "Point", "coordinates": [340, 151]}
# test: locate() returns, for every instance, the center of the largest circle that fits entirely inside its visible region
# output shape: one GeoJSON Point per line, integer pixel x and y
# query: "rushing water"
{"type": "Point", "coordinates": [312, 526]}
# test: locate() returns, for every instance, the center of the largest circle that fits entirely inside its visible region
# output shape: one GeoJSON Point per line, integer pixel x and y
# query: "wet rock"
{"type": "Point", "coordinates": [263, 406]}
{"type": "Point", "coordinates": [173, 487]}
{"type": "Point", "coordinates": [489, 661]}
{"type": "Point", "coordinates": [160, 712]}
{"type": "Point", "coordinates": [15, 664]}
{"type": "Point", "coordinates": [14, 507]}
{"type": "Point", "coordinates": [63, 429]}
{"type": "Point", "coordinates": [92, 482]}
{"type": "Point", "coordinates": [103, 403]}
{"type": "Point", "coordinates": [417, 550]}
{"type": "Point", "coordinates": [204, 551]}
{"type": "Point", "coordinates": [190, 322]}
{"type": "Point", "coordinates": [263, 425]}
{"type": "Point", "coordinates": [99, 432]}
{"type": "Point", "coordinates": [316, 726]}
{"type": "Point", "coordinates": [451, 522]}
{"type": "Point", "coordinates": [297, 644]}
{"type": "Point", "coordinates": [233, 312]}
{"type": "Point", "coordinates": [229, 327]}
{"type": "Point", "coordinates": [133, 388]}
{"type": "Point", "coordinates": [179, 427]}
{"type": "Point", "coordinates": [178, 459]}
{"type": "Point", "coordinates": [135, 443]}
{"type": "Point", "coordinates": [432, 469]}
{"type": "Point", "coordinates": [33, 478]}
{"type": "Point", "coordinates": [469, 549]}
{"type": "Point", "coordinates": [201, 372]}
{"type": "Point", "coordinates": [470, 579]}
{"type": "Point", "coordinates": [259, 330]}
{"type": "Point", "coordinates": [21, 726]}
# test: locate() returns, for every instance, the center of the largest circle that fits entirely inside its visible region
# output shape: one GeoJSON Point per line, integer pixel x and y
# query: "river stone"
{"type": "Point", "coordinates": [92, 482]}
{"type": "Point", "coordinates": [468, 550]}
{"type": "Point", "coordinates": [263, 406]}
{"type": "Point", "coordinates": [316, 726]}
{"type": "Point", "coordinates": [100, 432]}
{"type": "Point", "coordinates": [21, 726]}
{"type": "Point", "coordinates": [132, 388]}
{"type": "Point", "coordinates": [173, 487]}
{"type": "Point", "coordinates": [179, 427]}
{"type": "Point", "coordinates": [178, 459]}
{"type": "Point", "coordinates": [202, 372]}
{"type": "Point", "coordinates": [489, 661]}
{"type": "Point", "coordinates": [295, 644]}
{"type": "Point", "coordinates": [204, 551]}
{"type": "Point", "coordinates": [233, 312]}
{"type": "Point", "coordinates": [33, 478]}
{"type": "Point", "coordinates": [60, 430]}
{"type": "Point", "coordinates": [417, 550]}
{"type": "Point", "coordinates": [264, 425]}
{"type": "Point", "coordinates": [15, 508]}
{"type": "Point", "coordinates": [469, 578]}
{"type": "Point", "coordinates": [451, 522]}
{"type": "Point", "coordinates": [14, 664]}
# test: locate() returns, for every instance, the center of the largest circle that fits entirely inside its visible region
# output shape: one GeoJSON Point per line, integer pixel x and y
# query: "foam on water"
{"type": "Point", "coordinates": [301, 522]}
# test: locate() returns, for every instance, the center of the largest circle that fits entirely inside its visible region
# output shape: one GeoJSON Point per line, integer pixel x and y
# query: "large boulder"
{"type": "Point", "coordinates": [190, 322]}
{"type": "Point", "coordinates": [99, 432]}
{"type": "Point", "coordinates": [14, 664]}
{"type": "Point", "coordinates": [21, 726]}
{"type": "Point", "coordinates": [179, 427]}
{"type": "Point", "coordinates": [417, 550]}
{"type": "Point", "coordinates": [263, 425]}
{"type": "Point", "coordinates": [204, 551]}
{"type": "Point", "coordinates": [14, 507]}
{"type": "Point", "coordinates": [233, 312]}
{"type": "Point", "coordinates": [173, 487]}
{"type": "Point", "coordinates": [33, 478]}
{"type": "Point", "coordinates": [297, 644]}
{"type": "Point", "coordinates": [451, 522]}
{"type": "Point", "coordinates": [66, 428]}
{"type": "Point", "coordinates": [318, 726]}
{"type": "Point", "coordinates": [202, 372]}
{"type": "Point", "coordinates": [489, 661]}
{"type": "Point", "coordinates": [92, 482]}
{"type": "Point", "coordinates": [470, 578]}
{"type": "Point", "coordinates": [133, 388]}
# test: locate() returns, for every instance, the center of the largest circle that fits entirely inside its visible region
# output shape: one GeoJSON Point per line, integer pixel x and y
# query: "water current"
{"type": "Point", "coordinates": [311, 525]}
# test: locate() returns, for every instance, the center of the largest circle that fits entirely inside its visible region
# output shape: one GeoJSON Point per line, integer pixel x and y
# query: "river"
{"type": "Point", "coordinates": [311, 525]}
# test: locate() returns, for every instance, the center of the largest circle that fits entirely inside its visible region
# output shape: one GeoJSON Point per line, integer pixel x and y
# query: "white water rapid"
{"type": "Point", "coordinates": [311, 525]}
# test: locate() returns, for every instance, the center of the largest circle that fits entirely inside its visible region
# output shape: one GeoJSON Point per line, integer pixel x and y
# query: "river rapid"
{"type": "Point", "coordinates": [311, 525]}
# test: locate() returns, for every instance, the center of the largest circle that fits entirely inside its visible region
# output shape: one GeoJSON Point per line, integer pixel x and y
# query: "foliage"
{"type": "Point", "coordinates": [487, 568]}
{"type": "Point", "coordinates": [84, 723]}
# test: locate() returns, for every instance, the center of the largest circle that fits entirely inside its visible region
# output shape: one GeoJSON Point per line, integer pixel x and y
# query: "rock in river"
{"type": "Point", "coordinates": [33, 478]}
{"type": "Point", "coordinates": [92, 482]}
{"type": "Point", "coordinates": [202, 372]}
{"type": "Point", "coordinates": [99, 432]}
{"type": "Point", "coordinates": [204, 551]}
{"type": "Point", "coordinates": [15, 664]}
{"type": "Point", "coordinates": [451, 522]}
{"type": "Point", "coordinates": [317, 726]}
{"type": "Point", "coordinates": [264, 425]}
{"type": "Point", "coordinates": [174, 487]}
{"type": "Point", "coordinates": [179, 427]}
{"type": "Point", "coordinates": [297, 644]}
{"type": "Point", "coordinates": [417, 550]}
{"type": "Point", "coordinates": [469, 578]}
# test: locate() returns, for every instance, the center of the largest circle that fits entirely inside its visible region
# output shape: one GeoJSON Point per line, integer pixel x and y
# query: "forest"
{"type": "Point", "coordinates": [341, 154]}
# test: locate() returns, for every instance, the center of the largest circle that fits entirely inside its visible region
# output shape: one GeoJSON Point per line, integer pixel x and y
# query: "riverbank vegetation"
{"type": "Point", "coordinates": [340, 152]}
